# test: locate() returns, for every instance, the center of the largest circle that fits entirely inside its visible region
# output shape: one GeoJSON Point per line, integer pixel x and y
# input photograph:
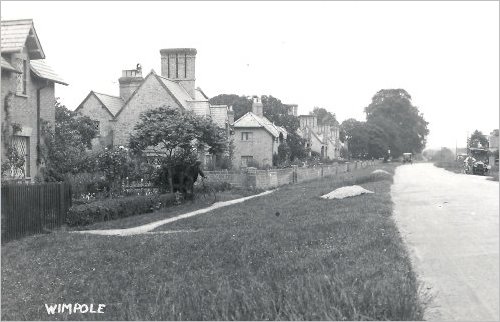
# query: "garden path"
{"type": "Point", "coordinates": [145, 229]}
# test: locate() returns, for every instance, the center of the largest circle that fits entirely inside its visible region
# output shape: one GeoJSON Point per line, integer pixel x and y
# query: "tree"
{"type": "Point", "coordinates": [405, 127]}
{"type": "Point", "coordinates": [64, 145]}
{"type": "Point", "coordinates": [324, 117]}
{"type": "Point", "coordinates": [174, 136]}
{"type": "Point", "coordinates": [241, 104]}
{"type": "Point", "coordinates": [478, 140]}
{"type": "Point", "coordinates": [277, 112]}
{"type": "Point", "coordinates": [444, 154]}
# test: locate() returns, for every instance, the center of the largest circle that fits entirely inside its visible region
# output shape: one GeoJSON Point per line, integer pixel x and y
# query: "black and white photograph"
{"type": "Point", "coordinates": [250, 160]}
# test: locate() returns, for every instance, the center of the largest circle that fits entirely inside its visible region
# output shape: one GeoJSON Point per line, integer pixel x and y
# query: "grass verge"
{"type": "Point", "coordinates": [318, 260]}
{"type": "Point", "coordinates": [457, 167]}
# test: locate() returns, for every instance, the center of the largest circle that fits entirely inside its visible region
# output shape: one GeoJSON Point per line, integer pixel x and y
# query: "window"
{"type": "Point", "coordinates": [25, 75]}
{"type": "Point", "coordinates": [246, 160]}
{"type": "Point", "coordinates": [246, 136]}
{"type": "Point", "coordinates": [97, 125]}
{"type": "Point", "coordinates": [22, 145]}
{"type": "Point", "coordinates": [22, 78]}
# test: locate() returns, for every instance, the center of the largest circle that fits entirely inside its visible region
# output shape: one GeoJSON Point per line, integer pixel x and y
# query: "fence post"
{"type": "Point", "coordinates": [294, 173]}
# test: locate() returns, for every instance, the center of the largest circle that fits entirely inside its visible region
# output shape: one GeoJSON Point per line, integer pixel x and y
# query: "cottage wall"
{"type": "Point", "coordinates": [261, 147]}
{"type": "Point", "coordinates": [93, 108]}
{"type": "Point", "coordinates": [24, 107]}
{"type": "Point", "coordinates": [149, 96]}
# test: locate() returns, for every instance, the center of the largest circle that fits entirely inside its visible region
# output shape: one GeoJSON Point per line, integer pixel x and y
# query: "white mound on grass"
{"type": "Point", "coordinates": [344, 192]}
{"type": "Point", "coordinates": [380, 171]}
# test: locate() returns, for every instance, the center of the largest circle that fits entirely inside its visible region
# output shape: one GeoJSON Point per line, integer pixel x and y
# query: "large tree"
{"type": "Point", "coordinates": [64, 145]}
{"type": "Point", "coordinates": [478, 139]}
{"type": "Point", "coordinates": [169, 133]}
{"type": "Point", "coordinates": [405, 127]}
{"type": "Point", "coordinates": [174, 137]}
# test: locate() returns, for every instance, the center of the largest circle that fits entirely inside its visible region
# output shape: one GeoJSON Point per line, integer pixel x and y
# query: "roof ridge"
{"type": "Point", "coordinates": [108, 95]}
{"type": "Point", "coordinates": [17, 20]}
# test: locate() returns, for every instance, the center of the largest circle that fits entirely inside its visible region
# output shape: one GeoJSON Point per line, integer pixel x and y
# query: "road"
{"type": "Point", "coordinates": [449, 223]}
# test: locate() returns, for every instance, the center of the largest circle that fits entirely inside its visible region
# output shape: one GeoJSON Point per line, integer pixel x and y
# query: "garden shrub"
{"type": "Point", "coordinates": [109, 209]}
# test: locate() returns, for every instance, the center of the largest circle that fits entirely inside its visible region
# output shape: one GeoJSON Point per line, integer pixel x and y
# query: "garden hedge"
{"type": "Point", "coordinates": [109, 209]}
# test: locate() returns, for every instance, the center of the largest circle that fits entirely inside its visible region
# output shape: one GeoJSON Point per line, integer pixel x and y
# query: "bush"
{"type": "Point", "coordinates": [109, 209]}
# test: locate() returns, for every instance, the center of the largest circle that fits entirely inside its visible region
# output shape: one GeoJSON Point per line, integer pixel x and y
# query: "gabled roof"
{"type": "Point", "coordinates": [177, 91]}
{"type": "Point", "coordinates": [7, 66]}
{"type": "Point", "coordinates": [15, 34]}
{"type": "Point", "coordinates": [200, 95]}
{"type": "Point", "coordinates": [250, 120]}
{"type": "Point", "coordinates": [112, 103]}
{"type": "Point", "coordinates": [42, 70]}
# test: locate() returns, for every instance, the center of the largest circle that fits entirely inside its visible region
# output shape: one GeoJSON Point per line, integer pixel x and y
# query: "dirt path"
{"type": "Point", "coordinates": [144, 229]}
{"type": "Point", "coordinates": [450, 225]}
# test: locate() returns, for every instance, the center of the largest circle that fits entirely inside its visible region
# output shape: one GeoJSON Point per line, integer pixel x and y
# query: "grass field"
{"type": "Point", "coordinates": [318, 260]}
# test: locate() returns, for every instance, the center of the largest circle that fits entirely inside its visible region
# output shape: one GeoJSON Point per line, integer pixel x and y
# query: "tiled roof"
{"type": "Point", "coordinates": [15, 34]}
{"type": "Point", "coordinates": [219, 114]}
{"type": "Point", "coordinates": [42, 70]}
{"type": "Point", "coordinates": [177, 90]}
{"type": "Point", "coordinates": [6, 65]}
{"type": "Point", "coordinates": [112, 103]}
{"type": "Point", "coordinates": [252, 120]}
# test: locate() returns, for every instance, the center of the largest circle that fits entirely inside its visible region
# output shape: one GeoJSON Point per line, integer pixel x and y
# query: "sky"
{"type": "Point", "coordinates": [335, 55]}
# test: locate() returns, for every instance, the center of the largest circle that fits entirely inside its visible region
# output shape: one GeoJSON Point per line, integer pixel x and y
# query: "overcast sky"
{"type": "Point", "coordinates": [335, 55]}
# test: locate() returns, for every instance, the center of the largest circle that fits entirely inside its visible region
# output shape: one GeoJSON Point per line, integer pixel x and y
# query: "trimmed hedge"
{"type": "Point", "coordinates": [109, 209]}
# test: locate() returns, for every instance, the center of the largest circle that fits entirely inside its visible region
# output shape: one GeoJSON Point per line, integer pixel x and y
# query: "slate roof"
{"type": "Point", "coordinates": [252, 120]}
{"type": "Point", "coordinates": [177, 90]}
{"type": "Point", "coordinates": [41, 69]}
{"type": "Point", "coordinates": [15, 34]}
{"type": "Point", "coordinates": [6, 65]}
{"type": "Point", "coordinates": [112, 103]}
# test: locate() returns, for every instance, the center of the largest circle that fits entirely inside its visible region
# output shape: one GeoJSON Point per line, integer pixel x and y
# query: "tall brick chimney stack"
{"type": "Point", "coordinates": [257, 107]}
{"type": "Point", "coordinates": [131, 80]}
{"type": "Point", "coordinates": [178, 64]}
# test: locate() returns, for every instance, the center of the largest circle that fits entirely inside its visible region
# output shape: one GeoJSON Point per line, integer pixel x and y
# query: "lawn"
{"type": "Point", "coordinates": [318, 260]}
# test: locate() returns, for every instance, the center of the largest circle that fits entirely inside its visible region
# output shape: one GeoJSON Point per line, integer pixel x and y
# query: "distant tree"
{"type": "Point", "coordinates": [277, 112]}
{"type": "Point", "coordinates": [324, 117]}
{"type": "Point", "coordinates": [444, 154]}
{"type": "Point", "coordinates": [405, 127]}
{"type": "Point", "coordinates": [478, 139]}
{"type": "Point", "coordinates": [241, 104]}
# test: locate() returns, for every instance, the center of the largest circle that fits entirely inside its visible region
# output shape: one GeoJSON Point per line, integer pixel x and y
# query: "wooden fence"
{"type": "Point", "coordinates": [34, 208]}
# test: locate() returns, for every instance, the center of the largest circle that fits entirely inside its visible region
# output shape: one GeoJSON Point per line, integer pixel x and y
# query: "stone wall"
{"type": "Point", "coordinates": [268, 179]}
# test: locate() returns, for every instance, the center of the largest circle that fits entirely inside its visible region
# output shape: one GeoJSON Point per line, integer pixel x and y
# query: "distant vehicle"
{"type": "Point", "coordinates": [407, 158]}
{"type": "Point", "coordinates": [461, 156]}
{"type": "Point", "coordinates": [477, 161]}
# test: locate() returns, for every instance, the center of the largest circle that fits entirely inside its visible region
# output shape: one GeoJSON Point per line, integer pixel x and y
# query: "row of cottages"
{"type": "Point", "coordinates": [27, 92]}
{"type": "Point", "coordinates": [256, 139]}
{"type": "Point", "coordinates": [116, 116]}
{"type": "Point", "coordinates": [323, 139]}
